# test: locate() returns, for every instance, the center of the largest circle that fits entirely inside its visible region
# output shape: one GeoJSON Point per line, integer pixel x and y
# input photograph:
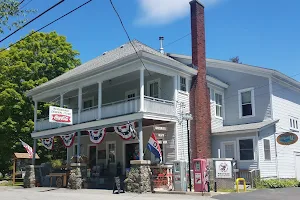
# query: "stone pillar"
{"type": "Point", "coordinates": [139, 177]}
{"type": "Point", "coordinates": [77, 176]}
{"type": "Point", "coordinates": [29, 179]}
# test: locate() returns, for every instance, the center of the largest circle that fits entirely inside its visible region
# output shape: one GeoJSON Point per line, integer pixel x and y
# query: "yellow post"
{"type": "Point", "coordinates": [237, 184]}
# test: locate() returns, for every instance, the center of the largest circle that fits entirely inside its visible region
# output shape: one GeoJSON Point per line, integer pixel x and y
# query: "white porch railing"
{"type": "Point", "coordinates": [118, 108]}
{"type": "Point", "coordinates": [160, 106]}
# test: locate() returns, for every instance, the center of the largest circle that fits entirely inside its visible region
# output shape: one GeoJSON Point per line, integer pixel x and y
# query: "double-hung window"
{"type": "Point", "coordinates": [246, 103]}
{"type": "Point", "coordinates": [267, 149]}
{"type": "Point", "coordinates": [182, 84]}
{"type": "Point", "coordinates": [219, 104]}
{"type": "Point", "coordinates": [246, 149]}
{"type": "Point", "coordinates": [154, 88]}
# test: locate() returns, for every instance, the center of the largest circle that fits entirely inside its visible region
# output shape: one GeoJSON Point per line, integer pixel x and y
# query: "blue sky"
{"type": "Point", "coordinates": [263, 33]}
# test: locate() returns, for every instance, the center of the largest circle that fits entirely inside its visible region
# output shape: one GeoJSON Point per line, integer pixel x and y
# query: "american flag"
{"type": "Point", "coordinates": [28, 148]}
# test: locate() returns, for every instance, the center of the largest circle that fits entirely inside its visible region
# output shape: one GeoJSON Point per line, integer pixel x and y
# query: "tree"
{"type": "Point", "coordinates": [11, 15]}
{"type": "Point", "coordinates": [235, 60]}
{"type": "Point", "coordinates": [29, 63]}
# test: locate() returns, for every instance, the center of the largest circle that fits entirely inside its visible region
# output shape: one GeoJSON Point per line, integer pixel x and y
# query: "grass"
{"type": "Point", "coordinates": [9, 183]}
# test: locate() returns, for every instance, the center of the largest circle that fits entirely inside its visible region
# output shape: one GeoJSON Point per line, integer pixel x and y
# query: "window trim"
{"type": "Point", "coordinates": [107, 151]}
{"type": "Point", "coordinates": [263, 144]}
{"type": "Point", "coordinates": [131, 92]}
{"type": "Point", "coordinates": [296, 123]}
{"type": "Point", "coordinates": [159, 86]}
{"type": "Point", "coordinates": [182, 77]}
{"type": "Point", "coordinates": [222, 106]}
{"type": "Point", "coordinates": [254, 148]}
{"type": "Point", "coordinates": [87, 99]}
{"type": "Point", "coordinates": [223, 148]}
{"type": "Point", "coordinates": [252, 102]}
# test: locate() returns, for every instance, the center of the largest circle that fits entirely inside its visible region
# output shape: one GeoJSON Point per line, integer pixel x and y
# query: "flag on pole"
{"type": "Point", "coordinates": [28, 148]}
{"type": "Point", "coordinates": [154, 147]}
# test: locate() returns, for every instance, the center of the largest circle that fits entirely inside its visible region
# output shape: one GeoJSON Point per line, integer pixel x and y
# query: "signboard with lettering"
{"type": "Point", "coordinates": [60, 115]}
{"type": "Point", "coordinates": [223, 169]}
{"type": "Point", "coordinates": [160, 128]}
{"type": "Point", "coordinates": [287, 138]}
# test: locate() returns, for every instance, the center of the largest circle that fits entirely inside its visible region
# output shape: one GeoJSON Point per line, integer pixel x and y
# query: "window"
{"type": "Point", "coordinates": [88, 103]}
{"type": "Point", "coordinates": [219, 103]}
{"type": "Point", "coordinates": [246, 103]}
{"type": "Point", "coordinates": [111, 151]}
{"type": "Point", "coordinates": [130, 95]}
{"type": "Point", "coordinates": [182, 83]}
{"type": "Point", "coordinates": [294, 123]}
{"type": "Point", "coordinates": [267, 149]}
{"type": "Point", "coordinates": [153, 88]}
{"type": "Point", "coordinates": [246, 149]}
{"type": "Point", "coordinates": [228, 149]}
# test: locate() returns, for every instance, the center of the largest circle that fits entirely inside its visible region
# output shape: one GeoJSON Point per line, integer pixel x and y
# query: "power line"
{"type": "Point", "coordinates": [47, 25]}
{"type": "Point", "coordinates": [177, 40]}
{"type": "Point", "coordinates": [32, 20]}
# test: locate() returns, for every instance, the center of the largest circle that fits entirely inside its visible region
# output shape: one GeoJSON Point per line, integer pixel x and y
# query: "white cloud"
{"type": "Point", "coordinates": [165, 11]}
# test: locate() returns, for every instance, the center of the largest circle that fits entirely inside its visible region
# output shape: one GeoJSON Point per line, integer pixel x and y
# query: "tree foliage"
{"type": "Point", "coordinates": [11, 15]}
{"type": "Point", "coordinates": [29, 63]}
{"type": "Point", "coordinates": [235, 59]}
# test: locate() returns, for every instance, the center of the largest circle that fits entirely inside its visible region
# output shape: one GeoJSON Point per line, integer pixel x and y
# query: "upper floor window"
{"type": "Point", "coordinates": [246, 103]}
{"type": "Point", "coordinates": [130, 95]}
{"type": "Point", "coordinates": [88, 103]}
{"type": "Point", "coordinates": [182, 83]}
{"type": "Point", "coordinates": [267, 149]}
{"type": "Point", "coordinates": [246, 149]}
{"type": "Point", "coordinates": [219, 104]}
{"type": "Point", "coordinates": [154, 88]}
{"type": "Point", "coordinates": [294, 123]}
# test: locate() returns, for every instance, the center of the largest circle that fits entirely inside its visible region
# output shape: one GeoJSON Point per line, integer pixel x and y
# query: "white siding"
{"type": "Point", "coordinates": [183, 106]}
{"type": "Point", "coordinates": [285, 102]}
{"type": "Point", "coordinates": [267, 167]}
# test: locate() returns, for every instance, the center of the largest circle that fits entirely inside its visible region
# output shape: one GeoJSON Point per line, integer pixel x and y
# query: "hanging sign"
{"type": "Point", "coordinates": [48, 143]}
{"type": "Point", "coordinates": [126, 131]}
{"type": "Point", "coordinates": [287, 138]}
{"type": "Point", "coordinates": [60, 115]}
{"type": "Point", "coordinates": [223, 169]}
{"type": "Point", "coordinates": [68, 139]}
{"type": "Point", "coordinates": [96, 136]}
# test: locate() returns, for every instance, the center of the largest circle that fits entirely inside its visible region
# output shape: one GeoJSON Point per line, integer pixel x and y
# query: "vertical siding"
{"type": "Point", "coordinates": [183, 106]}
{"type": "Point", "coordinates": [246, 165]}
{"type": "Point", "coordinates": [286, 102]}
{"type": "Point", "coordinates": [267, 167]}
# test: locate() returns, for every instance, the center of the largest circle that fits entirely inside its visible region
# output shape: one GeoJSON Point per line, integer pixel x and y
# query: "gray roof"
{"type": "Point", "coordinates": [244, 127]}
{"type": "Point", "coordinates": [101, 61]}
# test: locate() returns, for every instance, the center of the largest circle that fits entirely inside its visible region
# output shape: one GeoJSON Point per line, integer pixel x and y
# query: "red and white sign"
{"type": "Point", "coordinates": [60, 115]}
{"type": "Point", "coordinates": [198, 179]}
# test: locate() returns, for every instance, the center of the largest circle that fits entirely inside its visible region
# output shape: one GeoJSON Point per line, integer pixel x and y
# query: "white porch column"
{"type": "Point", "coordinates": [142, 91]}
{"type": "Point", "coordinates": [141, 144]}
{"type": "Point", "coordinates": [35, 115]}
{"type": "Point", "coordinates": [99, 100]}
{"type": "Point", "coordinates": [175, 86]}
{"type": "Point", "coordinates": [79, 105]}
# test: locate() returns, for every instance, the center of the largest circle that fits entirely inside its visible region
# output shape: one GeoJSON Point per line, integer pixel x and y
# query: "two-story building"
{"type": "Point", "coordinates": [250, 107]}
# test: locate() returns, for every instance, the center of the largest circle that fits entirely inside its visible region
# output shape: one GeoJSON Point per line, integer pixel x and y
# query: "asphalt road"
{"type": "Point", "coordinates": [267, 194]}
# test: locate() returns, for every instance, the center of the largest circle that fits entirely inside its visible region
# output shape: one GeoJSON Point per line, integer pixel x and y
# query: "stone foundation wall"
{"type": "Point", "coordinates": [29, 179]}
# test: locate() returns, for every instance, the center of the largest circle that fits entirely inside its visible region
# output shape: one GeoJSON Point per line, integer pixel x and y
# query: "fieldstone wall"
{"type": "Point", "coordinates": [76, 177]}
{"type": "Point", "coordinates": [139, 177]}
{"type": "Point", "coordinates": [29, 179]}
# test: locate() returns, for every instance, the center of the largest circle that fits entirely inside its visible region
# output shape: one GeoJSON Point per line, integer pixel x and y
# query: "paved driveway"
{"type": "Point", "coordinates": [268, 194]}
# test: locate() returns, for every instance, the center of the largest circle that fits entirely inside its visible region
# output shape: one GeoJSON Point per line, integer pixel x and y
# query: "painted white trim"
{"type": "Point", "coordinates": [88, 99]}
{"type": "Point", "coordinates": [159, 86]}
{"type": "Point", "coordinates": [263, 147]}
{"type": "Point", "coordinates": [222, 106]}
{"type": "Point", "coordinates": [223, 148]}
{"type": "Point", "coordinates": [252, 102]}
{"type": "Point", "coordinates": [134, 91]}
{"type": "Point", "coordinates": [88, 152]}
{"type": "Point", "coordinates": [107, 151]}
{"type": "Point", "coordinates": [254, 148]}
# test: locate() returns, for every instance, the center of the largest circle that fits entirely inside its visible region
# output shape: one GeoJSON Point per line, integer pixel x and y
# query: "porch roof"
{"type": "Point", "coordinates": [243, 128]}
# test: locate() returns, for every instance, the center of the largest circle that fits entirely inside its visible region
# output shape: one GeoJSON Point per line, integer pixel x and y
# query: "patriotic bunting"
{"type": "Point", "coordinates": [127, 131]}
{"type": "Point", "coordinates": [68, 139]}
{"type": "Point", "coordinates": [96, 136]}
{"type": "Point", "coordinates": [48, 143]}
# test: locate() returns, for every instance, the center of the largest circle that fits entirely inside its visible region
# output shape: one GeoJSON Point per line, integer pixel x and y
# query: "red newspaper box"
{"type": "Point", "coordinates": [199, 168]}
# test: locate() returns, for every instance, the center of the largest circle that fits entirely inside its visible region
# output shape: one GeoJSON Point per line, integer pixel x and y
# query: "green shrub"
{"type": "Point", "coordinates": [56, 163]}
{"type": "Point", "coordinates": [277, 183]}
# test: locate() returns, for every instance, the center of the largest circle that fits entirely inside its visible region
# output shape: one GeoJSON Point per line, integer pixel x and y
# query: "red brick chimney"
{"type": "Point", "coordinates": [199, 95]}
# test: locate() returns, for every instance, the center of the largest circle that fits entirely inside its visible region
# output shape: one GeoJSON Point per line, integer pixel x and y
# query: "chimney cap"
{"type": "Point", "coordinates": [161, 38]}
{"type": "Point", "coordinates": [197, 1]}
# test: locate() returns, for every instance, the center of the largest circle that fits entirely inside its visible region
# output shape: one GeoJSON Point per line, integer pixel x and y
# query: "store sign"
{"type": "Point", "coordinates": [287, 138]}
{"type": "Point", "coordinates": [60, 115]}
{"type": "Point", "coordinates": [223, 169]}
{"type": "Point", "coordinates": [160, 128]}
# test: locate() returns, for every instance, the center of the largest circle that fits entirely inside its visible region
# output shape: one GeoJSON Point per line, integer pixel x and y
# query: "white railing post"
{"type": "Point", "coordinates": [35, 115]}
{"type": "Point", "coordinates": [142, 91]}
{"type": "Point", "coordinates": [99, 100]}
{"type": "Point", "coordinates": [79, 105]}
